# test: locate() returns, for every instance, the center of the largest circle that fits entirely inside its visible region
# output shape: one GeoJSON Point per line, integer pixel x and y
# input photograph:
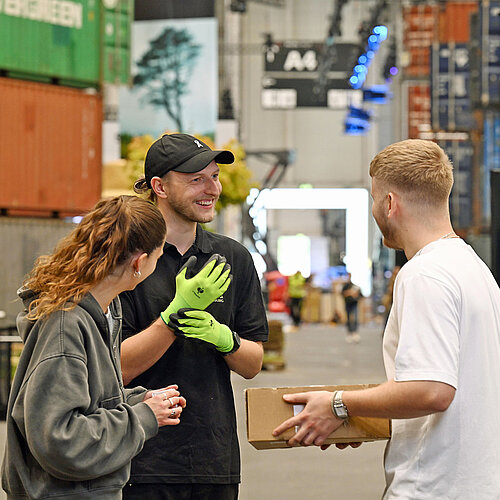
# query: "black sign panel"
{"type": "Point", "coordinates": [289, 93]}
{"type": "Point", "coordinates": [298, 57]}
{"type": "Point", "coordinates": [173, 9]}
{"type": "Point", "coordinates": [305, 74]}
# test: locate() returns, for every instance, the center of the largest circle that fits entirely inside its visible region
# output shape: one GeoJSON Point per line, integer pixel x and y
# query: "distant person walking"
{"type": "Point", "coordinates": [296, 294]}
{"type": "Point", "coordinates": [387, 298]}
{"type": "Point", "coordinates": [352, 295]}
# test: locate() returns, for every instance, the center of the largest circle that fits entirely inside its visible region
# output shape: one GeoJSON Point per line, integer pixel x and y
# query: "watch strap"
{"type": "Point", "coordinates": [339, 409]}
{"type": "Point", "coordinates": [236, 344]}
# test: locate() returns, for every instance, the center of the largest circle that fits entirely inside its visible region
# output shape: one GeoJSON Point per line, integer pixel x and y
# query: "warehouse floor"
{"type": "Point", "coordinates": [315, 354]}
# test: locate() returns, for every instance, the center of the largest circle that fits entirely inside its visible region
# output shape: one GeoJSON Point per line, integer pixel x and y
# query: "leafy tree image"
{"type": "Point", "coordinates": [164, 71]}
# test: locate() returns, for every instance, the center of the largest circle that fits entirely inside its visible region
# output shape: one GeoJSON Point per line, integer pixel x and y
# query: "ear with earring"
{"type": "Point", "coordinates": [137, 274]}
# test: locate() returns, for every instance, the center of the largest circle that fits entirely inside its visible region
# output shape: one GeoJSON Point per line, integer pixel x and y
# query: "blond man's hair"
{"type": "Point", "coordinates": [419, 168]}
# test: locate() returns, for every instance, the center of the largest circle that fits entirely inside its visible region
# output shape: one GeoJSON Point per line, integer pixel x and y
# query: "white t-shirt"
{"type": "Point", "coordinates": [444, 326]}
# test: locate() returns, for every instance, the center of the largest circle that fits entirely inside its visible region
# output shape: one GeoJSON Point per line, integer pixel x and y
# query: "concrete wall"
{"type": "Point", "coordinates": [23, 240]}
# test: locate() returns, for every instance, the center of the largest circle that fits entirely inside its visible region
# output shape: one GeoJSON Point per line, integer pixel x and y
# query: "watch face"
{"type": "Point", "coordinates": [342, 413]}
{"type": "Point", "coordinates": [340, 408]}
{"type": "Point", "coordinates": [237, 340]}
{"type": "Point", "coordinates": [236, 344]}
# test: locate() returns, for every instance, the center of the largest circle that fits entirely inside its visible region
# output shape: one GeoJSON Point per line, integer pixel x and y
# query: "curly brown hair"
{"type": "Point", "coordinates": [106, 237]}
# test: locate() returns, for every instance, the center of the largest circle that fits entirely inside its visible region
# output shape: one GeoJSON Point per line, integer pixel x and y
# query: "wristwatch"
{"type": "Point", "coordinates": [339, 409]}
{"type": "Point", "coordinates": [236, 344]}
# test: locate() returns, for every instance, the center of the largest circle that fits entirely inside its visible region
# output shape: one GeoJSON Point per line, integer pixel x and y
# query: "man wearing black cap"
{"type": "Point", "coordinates": [201, 459]}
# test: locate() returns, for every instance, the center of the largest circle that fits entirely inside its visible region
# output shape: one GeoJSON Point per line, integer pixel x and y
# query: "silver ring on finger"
{"type": "Point", "coordinates": [172, 414]}
{"type": "Point", "coordinates": [170, 401]}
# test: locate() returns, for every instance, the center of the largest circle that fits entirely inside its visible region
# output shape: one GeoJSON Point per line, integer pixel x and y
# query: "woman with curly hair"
{"type": "Point", "coordinates": [72, 429]}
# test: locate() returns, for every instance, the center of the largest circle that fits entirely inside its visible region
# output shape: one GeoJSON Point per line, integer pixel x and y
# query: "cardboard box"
{"type": "Point", "coordinates": [266, 409]}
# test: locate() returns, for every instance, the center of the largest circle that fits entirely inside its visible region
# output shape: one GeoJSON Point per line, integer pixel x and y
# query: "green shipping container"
{"type": "Point", "coordinates": [77, 43]}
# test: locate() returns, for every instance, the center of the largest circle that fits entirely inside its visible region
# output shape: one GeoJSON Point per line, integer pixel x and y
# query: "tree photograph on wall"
{"type": "Point", "coordinates": [164, 71]}
{"type": "Point", "coordinates": [174, 82]}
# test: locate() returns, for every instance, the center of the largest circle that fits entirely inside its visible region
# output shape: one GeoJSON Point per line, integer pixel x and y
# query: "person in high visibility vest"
{"type": "Point", "coordinates": [296, 294]}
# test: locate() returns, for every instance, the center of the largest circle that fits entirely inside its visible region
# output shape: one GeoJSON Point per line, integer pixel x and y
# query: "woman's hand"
{"type": "Point", "coordinates": [167, 405]}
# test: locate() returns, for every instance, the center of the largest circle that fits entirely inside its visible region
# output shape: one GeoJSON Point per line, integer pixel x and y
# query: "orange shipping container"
{"type": "Point", "coordinates": [419, 109]}
{"type": "Point", "coordinates": [50, 154]}
{"type": "Point", "coordinates": [419, 61]}
{"type": "Point", "coordinates": [454, 21]}
{"type": "Point", "coordinates": [419, 32]}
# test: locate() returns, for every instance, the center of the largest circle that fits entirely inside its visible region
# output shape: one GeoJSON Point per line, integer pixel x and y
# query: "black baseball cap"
{"type": "Point", "coordinates": [182, 153]}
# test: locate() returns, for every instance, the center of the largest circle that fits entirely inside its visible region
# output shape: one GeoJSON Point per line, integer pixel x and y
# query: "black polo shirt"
{"type": "Point", "coordinates": [203, 448]}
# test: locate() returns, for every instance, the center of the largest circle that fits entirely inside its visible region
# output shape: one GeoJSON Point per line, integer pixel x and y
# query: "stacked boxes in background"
{"type": "Point", "coordinates": [273, 348]}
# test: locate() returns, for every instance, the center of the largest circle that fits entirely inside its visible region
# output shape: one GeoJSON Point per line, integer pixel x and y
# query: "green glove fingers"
{"type": "Point", "coordinates": [199, 290]}
{"type": "Point", "coordinates": [201, 325]}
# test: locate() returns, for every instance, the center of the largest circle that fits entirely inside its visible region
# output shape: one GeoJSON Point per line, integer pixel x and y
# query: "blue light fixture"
{"type": "Point", "coordinates": [357, 121]}
{"type": "Point", "coordinates": [360, 70]}
{"type": "Point", "coordinates": [381, 32]}
{"type": "Point", "coordinates": [376, 93]}
{"type": "Point", "coordinates": [355, 126]}
{"type": "Point", "coordinates": [359, 113]}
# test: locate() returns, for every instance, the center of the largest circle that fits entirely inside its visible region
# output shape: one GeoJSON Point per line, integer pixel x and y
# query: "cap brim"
{"type": "Point", "coordinates": [201, 161]}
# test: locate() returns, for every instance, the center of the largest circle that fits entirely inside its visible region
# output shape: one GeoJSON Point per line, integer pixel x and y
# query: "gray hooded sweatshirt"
{"type": "Point", "coordinates": [72, 429]}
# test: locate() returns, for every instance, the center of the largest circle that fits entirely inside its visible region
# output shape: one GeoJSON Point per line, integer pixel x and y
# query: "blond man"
{"type": "Point", "coordinates": [441, 343]}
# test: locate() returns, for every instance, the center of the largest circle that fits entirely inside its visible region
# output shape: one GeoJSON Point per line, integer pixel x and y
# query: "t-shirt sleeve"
{"type": "Point", "coordinates": [428, 348]}
{"type": "Point", "coordinates": [250, 315]}
{"type": "Point", "coordinates": [129, 317]}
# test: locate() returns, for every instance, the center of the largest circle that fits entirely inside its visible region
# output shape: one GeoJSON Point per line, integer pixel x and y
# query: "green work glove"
{"type": "Point", "coordinates": [200, 290]}
{"type": "Point", "coordinates": [202, 325]}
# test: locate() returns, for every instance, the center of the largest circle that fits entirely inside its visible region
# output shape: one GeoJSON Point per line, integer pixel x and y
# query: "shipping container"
{"type": "Point", "coordinates": [451, 104]}
{"type": "Point", "coordinates": [490, 160]}
{"type": "Point", "coordinates": [461, 154]}
{"type": "Point", "coordinates": [454, 21]}
{"type": "Point", "coordinates": [420, 26]}
{"type": "Point", "coordinates": [485, 54]}
{"type": "Point", "coordinates": [75, 43]}
{"type": "Point", "coordinates": [117, 18]}
{"type": "Point", "coordinates": [23, 241]}
{"type": "Point", "coordinates": [418, 109]}
{"type": "Point", "coordinates": [475, 60]}
{"type": "Point", "coordinates": [50, 158]}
